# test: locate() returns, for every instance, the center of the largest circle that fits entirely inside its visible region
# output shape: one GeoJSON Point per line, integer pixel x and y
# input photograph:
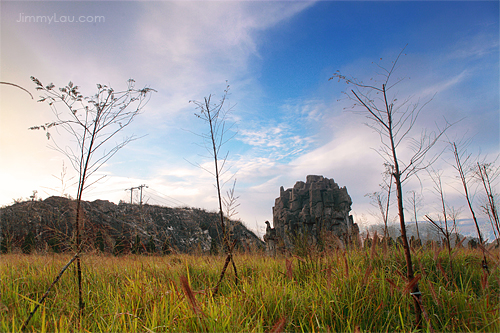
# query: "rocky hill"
{"type": "Point", "coordinates": [48, 226]}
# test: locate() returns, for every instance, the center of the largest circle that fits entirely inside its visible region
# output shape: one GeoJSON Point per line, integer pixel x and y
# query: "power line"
{"type": "Point", "coordinates": [160, 197]}
{"type": "Point", "coordinates": [181, 202]}
{"type": "Point", "coordinates": [164, 197]}
{"type": "Point", "coordinates": [162, 201]}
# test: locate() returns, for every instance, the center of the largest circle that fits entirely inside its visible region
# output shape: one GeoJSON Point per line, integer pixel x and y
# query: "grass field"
{"type": "Point", "coordinates": [361, 290]}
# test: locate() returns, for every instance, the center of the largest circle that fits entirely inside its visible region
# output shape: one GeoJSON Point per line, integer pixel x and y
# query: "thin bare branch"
{"type": "Point", "coordinates": [17, 86]}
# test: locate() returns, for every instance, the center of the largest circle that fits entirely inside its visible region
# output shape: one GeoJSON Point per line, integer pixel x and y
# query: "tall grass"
{"type": "Point", "coordinates": [343, 292]}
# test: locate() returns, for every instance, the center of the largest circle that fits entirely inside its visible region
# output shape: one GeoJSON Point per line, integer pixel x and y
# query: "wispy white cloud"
{"type": "Point", "coordinates": [190, 48]}
{"type": "Point", "coordinates": [474, 46]}
{"type": "Point", "coordinates": [277, 142]}
{"type": "Point", "coordinates": [443, 85]}
{"type": "Point", "coordinates": [288, 134]}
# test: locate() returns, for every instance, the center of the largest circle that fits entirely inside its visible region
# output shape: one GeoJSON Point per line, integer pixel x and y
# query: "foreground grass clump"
{"type": "Point", "coordinates": [341, 292]}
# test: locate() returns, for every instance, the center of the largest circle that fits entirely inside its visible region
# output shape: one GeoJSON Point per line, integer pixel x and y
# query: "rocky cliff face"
{"type": "Point", "coordinates": [50, 223]}
{"type": "Point", "coordinates": [314, 208]}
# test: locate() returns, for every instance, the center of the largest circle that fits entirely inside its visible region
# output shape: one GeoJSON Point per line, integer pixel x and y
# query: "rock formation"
{"type": "Point", "coordinates": [270, 238]}
{"type": "Point", "coordinates": [315, 208]}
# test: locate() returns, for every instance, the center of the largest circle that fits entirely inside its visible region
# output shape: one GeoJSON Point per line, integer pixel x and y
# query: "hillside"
{"type": "Point", "coordinates": [48, 226]}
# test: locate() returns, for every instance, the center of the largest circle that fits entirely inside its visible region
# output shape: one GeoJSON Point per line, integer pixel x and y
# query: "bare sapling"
{"type": "Point", "coordinates": [436, 177]}
{"type": "Point", "coordinates": [382, 201]}
{"type": "Point", "coordinates": [446, 237]}
{"type": "Point", "coordinates": [487, 174]}
{"type": "Point", "coordinates": [414, 201]}
{"type": "Point", "coordinates": [394, 120]}
{"type": "Point", "coordinates": [445, 230]}
{"type": "Point", "coordinates": [230, 204]}
{"type": "Point", "coordinates": [92, 122]}
{"type": "Point", "coordinates": [463, 167]}
{"type": "Point", "coordinates": [215, 115]}
{"type": "Point", "coordinates": [453, 214]}
{"type": "Point", "coordinates": [62, 190]}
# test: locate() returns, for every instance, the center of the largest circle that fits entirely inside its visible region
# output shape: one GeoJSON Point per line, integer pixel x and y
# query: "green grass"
{"type": "Point", "coordinates": [359, 290]}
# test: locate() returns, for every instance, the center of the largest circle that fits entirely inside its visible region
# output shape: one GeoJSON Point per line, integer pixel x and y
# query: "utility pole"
{"type": "Point", "coordinates": [132, 191]}
{"type": "Point", "coordinates": [140, 187]}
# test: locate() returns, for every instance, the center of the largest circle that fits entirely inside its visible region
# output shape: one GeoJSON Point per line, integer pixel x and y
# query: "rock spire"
{"type": "Point", "coordinates": [314, 208]}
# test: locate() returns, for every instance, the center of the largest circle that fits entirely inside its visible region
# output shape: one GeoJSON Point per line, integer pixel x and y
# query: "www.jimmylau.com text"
{"type": "Point", "coordinates": [48, 19]}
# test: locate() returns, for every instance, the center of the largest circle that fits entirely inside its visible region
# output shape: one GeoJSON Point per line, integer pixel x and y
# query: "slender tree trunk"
{"type": "Point", "coordinates": [229, 248]}
{"type": "Point", "coordinates": [415, 292]}
{"type": "Point", "coordinates": [386, 218]}
{"type": "Point", "coordinates": [415, 213]}
{"type": "Point", "coordinates": [466, 190]}
{"type": "Point", "coordinates": [79, 214]}
{"type": "Point", "coordinates": [81, 304]}
{"type": "Point", "coordinates": [226, 241]}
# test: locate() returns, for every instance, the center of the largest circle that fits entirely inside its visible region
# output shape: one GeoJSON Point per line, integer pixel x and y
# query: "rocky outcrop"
{"type": "Point", "coordinates": [106, 224]}
{"type": "Point", "coordinates": [315, 208]}
{"type": "Point", "coordinates": [271, 239]}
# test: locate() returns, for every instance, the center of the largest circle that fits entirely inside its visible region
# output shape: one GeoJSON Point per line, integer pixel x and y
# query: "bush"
{"type": "Point", "coordinates": [5, 244]}
{"type": "Point", "coordinates": [150, 246]}
{"type": "Point", "coordinates": [28, 243]}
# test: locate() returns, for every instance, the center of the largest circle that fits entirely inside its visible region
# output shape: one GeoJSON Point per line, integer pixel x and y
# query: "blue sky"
{"type": "Point", "coordinates": [291, 121]}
